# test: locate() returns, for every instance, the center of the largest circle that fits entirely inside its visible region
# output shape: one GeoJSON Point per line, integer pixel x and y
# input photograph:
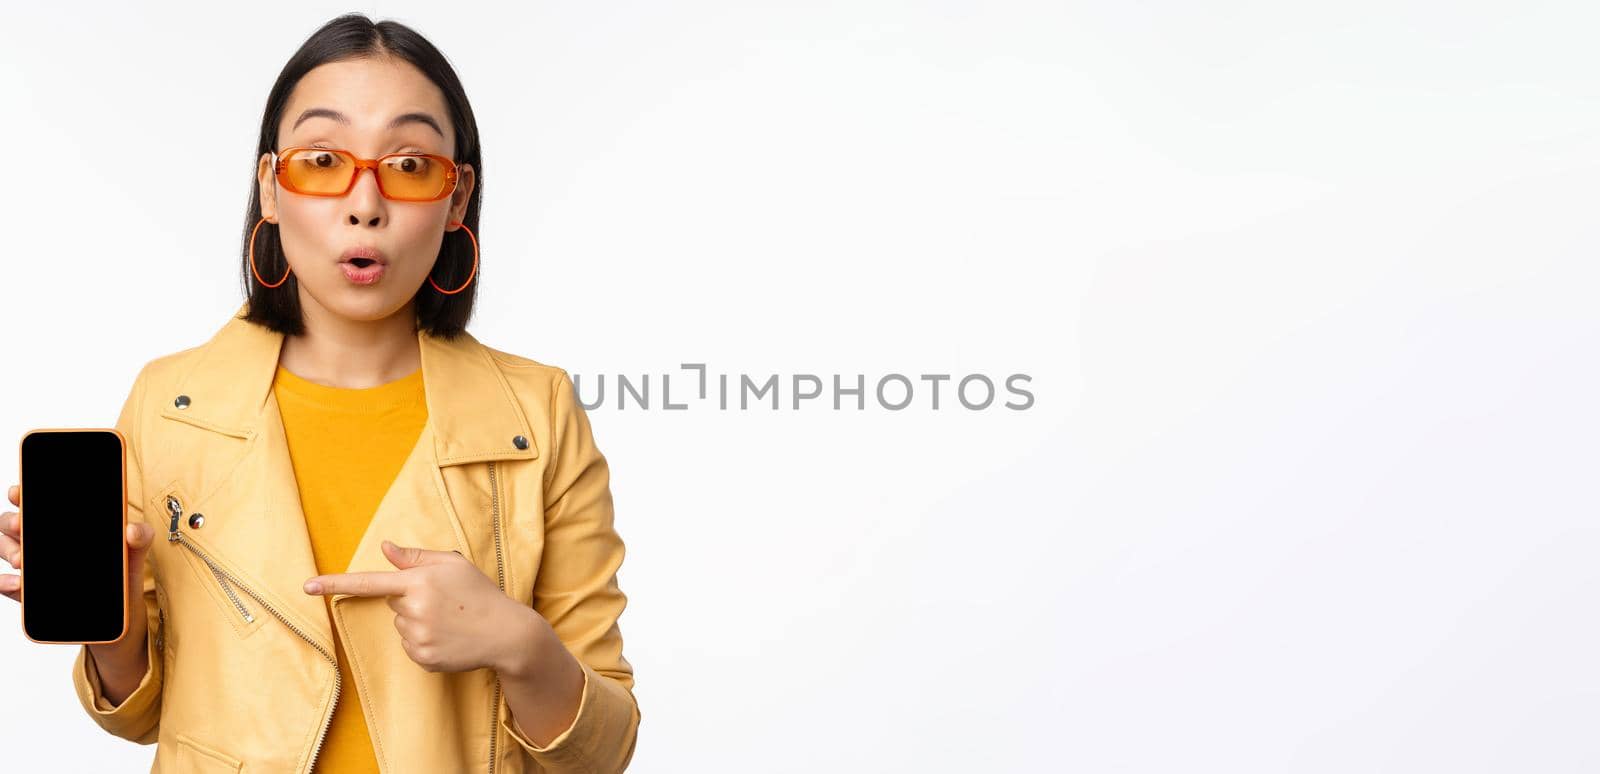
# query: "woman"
{"type": "Point", "coordinates": [359, 539]}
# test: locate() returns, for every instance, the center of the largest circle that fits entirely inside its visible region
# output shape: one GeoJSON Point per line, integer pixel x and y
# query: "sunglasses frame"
{"type": "Point", "coordinates": [280, 161]}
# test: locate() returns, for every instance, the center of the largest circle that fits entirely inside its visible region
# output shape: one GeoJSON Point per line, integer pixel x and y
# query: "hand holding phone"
{"type": "Point", "coordinates": [123, 663]}
{"type": "Point", "coordinates": [85, 583]}
{"type": "Point", "coordinates": [138, 540]}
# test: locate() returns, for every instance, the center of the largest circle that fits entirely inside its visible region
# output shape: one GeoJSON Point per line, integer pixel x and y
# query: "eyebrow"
{"type": "Point", "coordinates": [399, 120]}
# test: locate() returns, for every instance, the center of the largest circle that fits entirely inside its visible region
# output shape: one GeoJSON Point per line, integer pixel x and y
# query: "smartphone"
{"type": "Point", "coordinates": [74, 506]}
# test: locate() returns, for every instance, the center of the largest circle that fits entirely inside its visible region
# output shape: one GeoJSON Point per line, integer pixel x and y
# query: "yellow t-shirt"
{"type": "Point", "coordinates": [347, 447]}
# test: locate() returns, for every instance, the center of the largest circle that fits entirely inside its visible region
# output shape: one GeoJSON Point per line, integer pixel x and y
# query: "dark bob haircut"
{"type": "Point", "coordinates": [354, 36]}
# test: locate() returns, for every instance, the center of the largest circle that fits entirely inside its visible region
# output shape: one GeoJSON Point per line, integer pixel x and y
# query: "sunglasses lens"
{"type": "Point", "coordinates": [327, 172]}
{"type": "Point", "coordinates": [413, 177]}
{"type": "Point", "coordinates": [317, 171]}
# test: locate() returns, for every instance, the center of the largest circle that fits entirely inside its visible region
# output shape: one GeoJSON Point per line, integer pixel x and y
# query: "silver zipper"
{"type": "Point", "coordinates": [500, 572]}
{"type": "Point", "coordinates": [174, 536]}
{"type": "Point", "coordinates": [248, 618]}
{"type": "Point", "coordinates": [222, 581]}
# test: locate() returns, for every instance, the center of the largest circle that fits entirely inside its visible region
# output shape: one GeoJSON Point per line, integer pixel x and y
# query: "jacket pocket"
{"type": "Point", "coordinates": [196, 758]}
{"type": "Point", "coordinates": [231, 602]}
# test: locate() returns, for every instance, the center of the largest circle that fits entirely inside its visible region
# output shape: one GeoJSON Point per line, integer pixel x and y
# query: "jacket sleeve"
{"type": "Point", "coordinates": [576, 591]}
{"type": "Point", "coordinates": [138, 717]}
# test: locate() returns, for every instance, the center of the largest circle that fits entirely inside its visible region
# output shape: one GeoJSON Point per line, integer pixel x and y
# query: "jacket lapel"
{"type": "Point", "coordinates": [473, 416]}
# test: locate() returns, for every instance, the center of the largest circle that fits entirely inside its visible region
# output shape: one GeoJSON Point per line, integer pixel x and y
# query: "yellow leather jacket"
{"type": "Point", "coordinates": [242, 673]}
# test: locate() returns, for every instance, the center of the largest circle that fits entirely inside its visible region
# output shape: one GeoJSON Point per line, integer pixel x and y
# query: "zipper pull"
{"type": "Point", "coordinates": [177, 510]}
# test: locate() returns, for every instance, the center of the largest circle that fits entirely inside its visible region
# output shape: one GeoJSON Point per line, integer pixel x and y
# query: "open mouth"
{"type": "Point", "coordinates": [362, 262]}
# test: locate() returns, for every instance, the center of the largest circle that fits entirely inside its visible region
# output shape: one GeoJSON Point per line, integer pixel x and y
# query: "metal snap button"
{"type": "Point", "coordinates": [196, 520]}
{"type": "Point", "coordinates": [181, 402]}
{"type": "Point", "coordinates": [520, 442]}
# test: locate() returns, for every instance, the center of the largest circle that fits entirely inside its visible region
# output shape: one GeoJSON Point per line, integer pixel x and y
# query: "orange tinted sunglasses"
{"type": "Point", "coordinates": [404, 177]}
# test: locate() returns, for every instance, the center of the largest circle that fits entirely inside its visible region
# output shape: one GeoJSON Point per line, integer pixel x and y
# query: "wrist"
{"type": "Point", "coordinates": [525, 646]}
{"type": "Point", "coordinates": [131, 650]}
{"type": "Point", "coordinates": [120, 667]}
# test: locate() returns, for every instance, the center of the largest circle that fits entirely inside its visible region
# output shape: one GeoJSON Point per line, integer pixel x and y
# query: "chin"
{"type": "Point", "coordinates": [362, 303]}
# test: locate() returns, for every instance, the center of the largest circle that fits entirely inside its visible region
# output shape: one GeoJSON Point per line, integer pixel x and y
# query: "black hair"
{"type": "Point", "coordinates": [353, 36]}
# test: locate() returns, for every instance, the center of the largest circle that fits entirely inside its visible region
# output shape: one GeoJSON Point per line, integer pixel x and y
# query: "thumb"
{"type": "Point", "coordinates": [405, 557]}
{"type": "Point", "coordinates": [139, 537]}
{"type": "Point", "coordinates": [402, 557]}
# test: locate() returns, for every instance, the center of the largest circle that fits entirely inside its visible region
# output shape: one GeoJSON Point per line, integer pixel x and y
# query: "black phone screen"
{"type": "Point", "coordinates": [74, 511]}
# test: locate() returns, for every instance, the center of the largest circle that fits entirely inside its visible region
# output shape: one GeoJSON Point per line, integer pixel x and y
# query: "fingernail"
{"type": "Point", "coordinates": [313, 587]}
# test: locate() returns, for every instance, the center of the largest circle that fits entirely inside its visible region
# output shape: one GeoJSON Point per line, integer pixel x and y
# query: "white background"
{"type": "Point", "coordinates": [1305, 291]}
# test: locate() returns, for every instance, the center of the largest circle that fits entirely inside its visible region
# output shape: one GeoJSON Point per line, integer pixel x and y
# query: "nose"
{"type": "Point", "coordinates": [365, 201]}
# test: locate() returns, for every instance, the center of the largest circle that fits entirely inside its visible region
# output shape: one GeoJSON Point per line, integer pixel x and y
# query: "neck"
{"type": "Point", "coordinates": [341, 351]}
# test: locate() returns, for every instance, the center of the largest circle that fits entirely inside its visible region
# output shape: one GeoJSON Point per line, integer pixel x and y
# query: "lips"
{"type": "Point", "coordinates": [363, 265]}
{"type": "Point", "coordinates": [363, 257]}
{"type": "Point", "coordinates": [362, 275]}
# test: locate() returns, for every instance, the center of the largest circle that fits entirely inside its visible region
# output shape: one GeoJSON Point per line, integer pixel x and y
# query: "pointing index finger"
{"type": "Point", "coordinates": [361, 584]}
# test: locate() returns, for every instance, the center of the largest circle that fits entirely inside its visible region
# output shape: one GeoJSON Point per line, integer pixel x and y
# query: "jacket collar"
{"type": "Point", "coordinates": [471, 408]}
